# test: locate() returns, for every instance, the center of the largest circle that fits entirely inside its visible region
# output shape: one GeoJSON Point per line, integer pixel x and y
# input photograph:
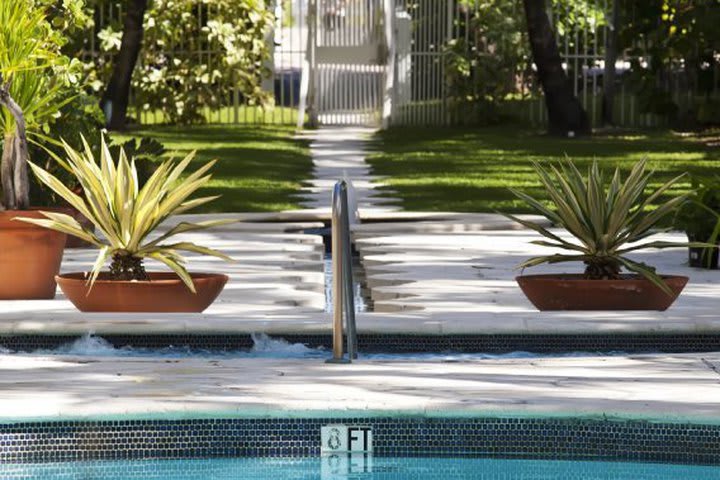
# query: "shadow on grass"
{"type": "Point", "coordinates": [259, 168]}
{"type": "Point", "coordinates": [471, 170]}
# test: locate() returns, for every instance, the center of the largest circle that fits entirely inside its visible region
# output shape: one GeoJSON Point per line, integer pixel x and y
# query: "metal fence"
{"type": "Point", "coordinates": [427, 96]}
{"type": "Point", "coordinates": [350, 85]}
{"type": "Point", "coordinates": [287, 45]}
{"type": "Point", "coordinates": [346, 61]}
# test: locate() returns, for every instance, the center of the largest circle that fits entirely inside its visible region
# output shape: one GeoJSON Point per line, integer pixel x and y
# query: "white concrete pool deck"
{"type": "Point", "coordinates": [439, 274]}
{"type": "Point", "coordinates": [671, 388]}
{"type": "Point", "coordinates": [339, 152]}
{"type": "Point", "coordinates": [436, 274]}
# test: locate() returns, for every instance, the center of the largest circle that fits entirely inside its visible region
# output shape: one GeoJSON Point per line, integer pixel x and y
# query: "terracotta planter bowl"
{"type": "Point", "coordinates": [573, 292]}
{"type": "Point", "coordinates": [165, 292]}
{"type": "Point", "coordinates": [30, 257]}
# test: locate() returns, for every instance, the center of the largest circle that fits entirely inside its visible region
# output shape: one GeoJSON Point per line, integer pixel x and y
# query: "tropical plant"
{"type": "Point", "coordinates": [34, 76]}
{"type": "Point", "coordinates": [126, 214]}
{"type": "Point", "coordinates": [699, 217]}
{"type": "Point", "coordinates": [83, 119]}
{"type": "Point", "coordinates": [609, 221]}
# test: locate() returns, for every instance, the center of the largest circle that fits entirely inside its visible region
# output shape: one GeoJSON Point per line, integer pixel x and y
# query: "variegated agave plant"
{"type": "Point", "coordinates": [608, 220]}
{"type": "Point", "coordinates": [126, 214]}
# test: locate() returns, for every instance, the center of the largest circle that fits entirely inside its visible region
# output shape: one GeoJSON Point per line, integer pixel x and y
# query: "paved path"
{"type": "Point", "coordinates": [675, 388]}
{"type": "Point", "coordinates": [337, 153]}
{"type": "Point", "coordinates": [431, 277]}
{"type": "Point", "coordinates": [425, 277]}
{"type": "Point", "coordinates": [450, 268]}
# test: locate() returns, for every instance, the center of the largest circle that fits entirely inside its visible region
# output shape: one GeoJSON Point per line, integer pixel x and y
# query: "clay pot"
{"type": "Point", "coordinates": [165, 292]}
{"type": "Point", "coordinates": [574, 292]}
{"type": "Point", "coordinates": [30, 257]}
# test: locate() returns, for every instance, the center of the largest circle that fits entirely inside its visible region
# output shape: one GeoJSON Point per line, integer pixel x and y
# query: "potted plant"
{"type": "Point", "coordinates": [699, 218]}
{"type": "Point", "coordinates": [126, 215]}
{"type": "Point", "coordinates": [608, 221]}
{"type": "Point", "coordinates": [143, 151]}
{"type": "Point", "coordinates": [31, 93]}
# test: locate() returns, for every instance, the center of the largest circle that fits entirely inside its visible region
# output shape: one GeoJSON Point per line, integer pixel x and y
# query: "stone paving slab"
{"type": "Point", "coordinates": [675, 388]}
{"type": "Point", "coordinates": [431, 279]}
{"type": "Point", "coordinates": [339, 153]}
{"type": "Point", "coordinates": [274, 271]}
{"type": "Point", "coordinates": [458, 273]}
{"type": "Point", "coordinates": [423, 280]}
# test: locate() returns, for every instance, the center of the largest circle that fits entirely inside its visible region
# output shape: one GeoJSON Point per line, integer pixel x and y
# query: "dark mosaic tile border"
{"type": "Point", "coordinates": [506, 437]}
{"type": "Point", "coordinates": [398, 343]}
{"type": "Point", "coordinates": [393, 468]}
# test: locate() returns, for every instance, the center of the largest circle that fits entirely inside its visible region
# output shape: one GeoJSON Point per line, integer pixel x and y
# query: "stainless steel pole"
{"type": "Point", "coordinates": [337, 270]}
{"type": "Point", "coordinates": [348, 293]}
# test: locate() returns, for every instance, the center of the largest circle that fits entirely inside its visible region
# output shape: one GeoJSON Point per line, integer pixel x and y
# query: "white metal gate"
{"type": "Point", "coordinates": [344, 79]}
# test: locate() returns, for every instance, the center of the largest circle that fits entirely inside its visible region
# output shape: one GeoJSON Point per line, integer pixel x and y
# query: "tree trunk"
{"type": "Point", "coordinates": [6, 172]}
{"type": "Point", "coordinates": [14, 168]}
{"type": "Point", "coordinates": [115, 99]}
{"type": "Point", "coordinates": [565, 113]}
{"type": "Point", "coordinates": [611, 53]}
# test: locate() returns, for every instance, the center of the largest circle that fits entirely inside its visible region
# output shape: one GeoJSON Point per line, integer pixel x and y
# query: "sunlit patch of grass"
{"type": "Point", "coordinates": [259, 169]}
{"type": "Point", "coordinates": [470, 170]}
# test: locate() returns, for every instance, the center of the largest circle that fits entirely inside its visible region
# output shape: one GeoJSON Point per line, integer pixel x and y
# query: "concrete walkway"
{"type": "Point", "coordinates": [339, 153]}
{"type": "Point", "coordinates": [439, 274]}
{"type": "Point", "coordinates": [676, 388]}
{"type": "Point", "coordinates": [429, 277]}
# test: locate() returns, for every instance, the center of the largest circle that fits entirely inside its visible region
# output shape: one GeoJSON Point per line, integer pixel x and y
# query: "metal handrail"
{"type": "Point", "coordinates": [342, 287]}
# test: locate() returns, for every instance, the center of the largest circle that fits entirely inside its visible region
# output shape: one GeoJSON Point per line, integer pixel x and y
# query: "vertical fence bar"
{"type": "Point", "coordinates": [358, 92]}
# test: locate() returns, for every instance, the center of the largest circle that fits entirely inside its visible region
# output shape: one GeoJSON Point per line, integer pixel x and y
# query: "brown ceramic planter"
{"type": "Point", "coordinates": [573, 292]}
{"type": "Point", "coordinates": [30, 257]}
{"type": "Point", "coordinates": [165, 292]}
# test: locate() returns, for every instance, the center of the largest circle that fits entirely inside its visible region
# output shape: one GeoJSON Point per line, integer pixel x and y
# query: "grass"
{"type": "Point", "coordinates": [259, 169]}
{"type": "Point", "coordinates": [470, 170]}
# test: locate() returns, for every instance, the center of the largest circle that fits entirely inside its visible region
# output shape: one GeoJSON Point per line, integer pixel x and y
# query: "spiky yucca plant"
{"type": "Point", "coordinates": [126, 214]}
{"type": "Point", "coordinates": [607, 219]}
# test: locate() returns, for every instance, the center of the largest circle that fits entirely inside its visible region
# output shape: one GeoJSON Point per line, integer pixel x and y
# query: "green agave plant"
{"type": "Point", "coordinates": [608, 220]}
{"type": "Point", "coordinates": [126, 214]}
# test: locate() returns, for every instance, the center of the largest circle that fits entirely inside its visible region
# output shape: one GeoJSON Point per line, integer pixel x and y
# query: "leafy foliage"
{"type": "Point", "coordinates": [487, 59]}
{"type": "Point", "coordinates": [47, 83]}
{"type": "Point", "coordinates": [671, 41]}
{"type": "Point", "coordinates": [79, 121]}
{"type": "Point", "coordinates": [608, 220]}
{"type": "Point", "coordinates": [699, 217]}
{"type": "Point", "coordinates": [30, 58]}
{"type": "Point", "coordinates": [194, 53]}
{"type": "Point", "coordinates": [126, 214]}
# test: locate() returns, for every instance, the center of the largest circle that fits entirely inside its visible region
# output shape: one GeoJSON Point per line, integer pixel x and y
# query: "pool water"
{"type": "Point", "coordinates": [361, 296]}
{"type": "Point", "coordinates": [357, 468]}
{"type": "Point", "coordinates": [267, 347]}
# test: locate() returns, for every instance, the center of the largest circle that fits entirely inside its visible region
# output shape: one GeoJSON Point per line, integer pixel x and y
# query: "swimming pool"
{"type": "Point", "coordinates": [265, 346]}
{"type": "Point", "coordinates": [357, 468]}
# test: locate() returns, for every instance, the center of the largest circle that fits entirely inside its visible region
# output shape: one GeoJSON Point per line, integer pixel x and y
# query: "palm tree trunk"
{"type": "Point", "coordinates": [565, 113]}
{"type": "Point", "coordinates": [6, 172]}
{"type": "Point", "coordinates": [611, 53]}
{"type": "Point", "coordinates": [14, 168]}
{"type": "Point", "coordinates": [116, 97]}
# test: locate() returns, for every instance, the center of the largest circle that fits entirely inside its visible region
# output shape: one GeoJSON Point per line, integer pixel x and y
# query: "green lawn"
{"type": "Point", "coordinates": [470, 170]}
{"type": "Point", "coordinates": [259, 169]}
